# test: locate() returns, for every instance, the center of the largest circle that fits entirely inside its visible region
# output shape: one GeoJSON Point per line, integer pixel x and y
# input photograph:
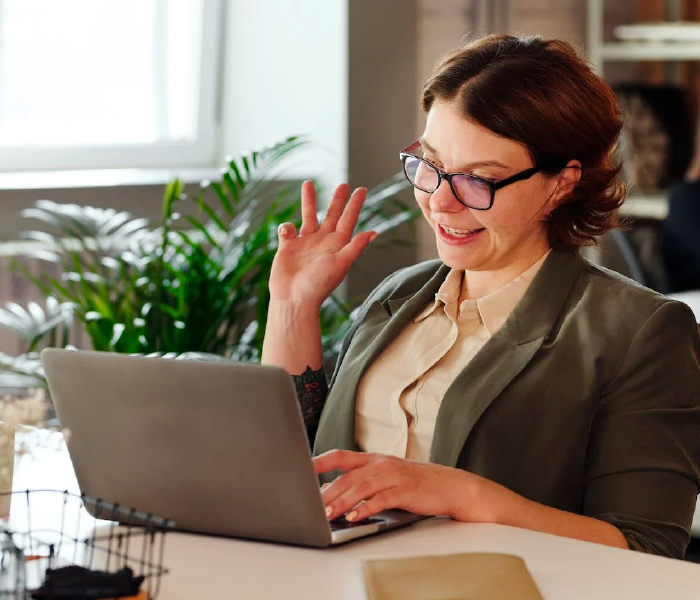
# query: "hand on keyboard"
{"type": "Point", "coordinates": [343, 523]}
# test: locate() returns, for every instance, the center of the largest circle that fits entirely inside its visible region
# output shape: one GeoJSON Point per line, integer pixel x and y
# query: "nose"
{"type": "Point", "coordinates": [443, 200]}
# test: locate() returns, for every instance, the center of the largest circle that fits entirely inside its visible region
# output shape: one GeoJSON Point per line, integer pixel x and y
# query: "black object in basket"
{"type": "Point", "coordinates": [57, 544]}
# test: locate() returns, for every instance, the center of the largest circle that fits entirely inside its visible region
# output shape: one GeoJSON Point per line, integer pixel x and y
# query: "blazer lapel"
{"type": "Point", "coordinates": [382, 322]}
{"type": "Point", "coordinates": [503, 357]}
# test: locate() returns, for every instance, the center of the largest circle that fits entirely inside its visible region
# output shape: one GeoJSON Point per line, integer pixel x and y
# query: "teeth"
{"type": "Point", "coordinates": [458, 232]}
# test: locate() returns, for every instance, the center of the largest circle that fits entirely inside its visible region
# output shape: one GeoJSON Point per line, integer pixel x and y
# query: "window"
{"type": "Point", "coordinates": [108, 83]}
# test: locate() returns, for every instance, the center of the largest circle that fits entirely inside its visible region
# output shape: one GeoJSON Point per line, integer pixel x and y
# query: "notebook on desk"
{"type": "Point", "coordinates": [218, 447]}
{"type": "Point", "coordinates": [465, 576]}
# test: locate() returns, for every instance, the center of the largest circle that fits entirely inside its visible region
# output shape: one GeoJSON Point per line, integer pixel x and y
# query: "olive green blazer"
{"type": "Point", "coordinates": [587, 399]}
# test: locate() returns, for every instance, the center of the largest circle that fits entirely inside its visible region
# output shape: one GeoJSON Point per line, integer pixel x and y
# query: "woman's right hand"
{"type": "Point", "coordinates": [310, 264]}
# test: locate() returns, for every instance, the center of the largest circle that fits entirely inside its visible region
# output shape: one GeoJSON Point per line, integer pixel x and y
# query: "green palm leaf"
{"type": "Point", "coordinates": [34, 322]}
{"type": "Point", "coordinates": [194, 284]}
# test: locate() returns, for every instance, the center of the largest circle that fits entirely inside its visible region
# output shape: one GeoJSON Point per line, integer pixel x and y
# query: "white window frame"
{"type": "Point", "coordinates": [200, 152]}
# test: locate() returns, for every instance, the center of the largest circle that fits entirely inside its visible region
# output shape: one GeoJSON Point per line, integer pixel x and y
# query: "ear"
{"type": "Point", "coordinates": [567, 180]}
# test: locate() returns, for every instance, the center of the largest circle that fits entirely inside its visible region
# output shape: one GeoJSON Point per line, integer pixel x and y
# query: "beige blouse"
{"type": "Point", "coordinates": [415, 370]}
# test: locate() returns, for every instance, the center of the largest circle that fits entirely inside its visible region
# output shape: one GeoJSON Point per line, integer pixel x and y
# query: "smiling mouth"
{"type": "Point", "coordinates": [457, 233]}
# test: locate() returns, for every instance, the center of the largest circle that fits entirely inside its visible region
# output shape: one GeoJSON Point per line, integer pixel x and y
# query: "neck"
{"type": "Point", "coordinates": [478, 284]}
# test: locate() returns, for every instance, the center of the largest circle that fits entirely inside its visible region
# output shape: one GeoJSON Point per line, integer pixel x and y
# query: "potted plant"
{"type": "Point", "coordinates": [196, 282]}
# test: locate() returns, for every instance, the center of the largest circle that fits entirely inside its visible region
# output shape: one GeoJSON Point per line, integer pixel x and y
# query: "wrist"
{"type": "Point", "coordinates": [292, 337]}
{"type": "Point", "coordinates": [480, 500]}
{"type": "Point", "coordinates": [293, 309]}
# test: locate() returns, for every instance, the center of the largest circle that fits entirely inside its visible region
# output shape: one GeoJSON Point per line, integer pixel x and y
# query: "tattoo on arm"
{"type": "Point", "coordinates": [312, 389]}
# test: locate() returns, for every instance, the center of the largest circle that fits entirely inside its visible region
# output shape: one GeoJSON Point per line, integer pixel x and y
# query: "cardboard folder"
{"type": "Point", "coordinates": [468, 576]}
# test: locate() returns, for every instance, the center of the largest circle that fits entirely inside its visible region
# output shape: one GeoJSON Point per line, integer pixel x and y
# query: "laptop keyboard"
{"type": "Point", "coordinates": [342, 523]}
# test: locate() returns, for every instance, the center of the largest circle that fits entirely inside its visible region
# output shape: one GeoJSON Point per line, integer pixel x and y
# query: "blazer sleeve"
{"type": "Point", "coordinates": [643, 462]}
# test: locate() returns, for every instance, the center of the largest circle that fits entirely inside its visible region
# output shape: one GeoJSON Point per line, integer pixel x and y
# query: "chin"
{"type": "Point", "coordinates": [460, 259]}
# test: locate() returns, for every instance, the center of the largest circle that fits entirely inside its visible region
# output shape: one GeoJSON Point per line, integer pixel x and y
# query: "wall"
{"type": "Point", "coordinates": [382, 96]}
{"type": "Point", "coordinates": [286, 73]}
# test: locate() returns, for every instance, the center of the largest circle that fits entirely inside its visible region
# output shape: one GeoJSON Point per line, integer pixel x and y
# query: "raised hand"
{"type": "Point", "coordinates": [311, 263]}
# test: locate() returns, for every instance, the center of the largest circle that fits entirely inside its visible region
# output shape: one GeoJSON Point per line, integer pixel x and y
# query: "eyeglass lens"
{"type": "Point", "coordinates": [469, 190]}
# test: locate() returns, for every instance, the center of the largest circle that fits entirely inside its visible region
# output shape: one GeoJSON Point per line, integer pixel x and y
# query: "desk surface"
{"type": "Point", "coordinates": [563, 569]}
{"type": "Point", "coordinates": [213, 568]}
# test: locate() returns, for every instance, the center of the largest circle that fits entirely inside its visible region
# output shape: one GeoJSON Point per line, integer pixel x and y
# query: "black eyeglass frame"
{"type": "Point", "coordinates": [493, 186]}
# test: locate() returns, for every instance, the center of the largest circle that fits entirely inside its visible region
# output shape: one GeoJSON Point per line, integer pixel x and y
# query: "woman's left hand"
{"type": "Point", "coordinates": [371, 483]}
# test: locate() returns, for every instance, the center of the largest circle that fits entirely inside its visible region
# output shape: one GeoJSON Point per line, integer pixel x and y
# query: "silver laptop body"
{"type": "Point", "coordinates": [218, 447]}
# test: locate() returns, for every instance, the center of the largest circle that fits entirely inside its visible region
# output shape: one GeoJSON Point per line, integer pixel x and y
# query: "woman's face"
{"type": "Point", "coordinates": [511, 235]}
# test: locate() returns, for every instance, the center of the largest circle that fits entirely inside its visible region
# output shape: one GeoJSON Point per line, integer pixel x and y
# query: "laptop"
{"type": "Point", "coordinates": [218, 447]}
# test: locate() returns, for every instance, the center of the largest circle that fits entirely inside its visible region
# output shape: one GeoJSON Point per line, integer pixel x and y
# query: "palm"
{"type": "Point", "coordinates": [309, 266]}
{"type": "Point", "coordinates": [307, 263]}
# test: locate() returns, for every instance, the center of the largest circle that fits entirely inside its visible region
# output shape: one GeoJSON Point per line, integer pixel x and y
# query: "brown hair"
{"type": "Point", "coordinates": [541, 93]}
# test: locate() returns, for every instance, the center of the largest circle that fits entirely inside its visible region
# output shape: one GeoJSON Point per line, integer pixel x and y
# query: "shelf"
{"type": "Point", "coordinates": [634, 51]}
{"type": "Point", "coordinates": [653, 206]}
{"type": "Point", "coordinates": [687, 32]}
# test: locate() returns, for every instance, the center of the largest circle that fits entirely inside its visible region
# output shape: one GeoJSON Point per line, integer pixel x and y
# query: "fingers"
{"type": "Point", "coordinates": [335, 208]}
{"type": "Point", "coordinates": [348, 220]}
{"type": "Point", "coordinates": [356, 486]}
{"type": "Point", "coordinates": [384, 500]}
{"type": "Point", "coordinates": [366, 476]}
{"type": "Point", "coordinates": [309, 217]}
{"type": "Point", "coordinates": [381, 482]}
{"type": "Point", "coordinates": [372, 498]}
{"type": "Point", "coordinates": [345, 460]}
{"type": "Point", "coordinates": [286, 231]}
{"type": "Point", "coordinates": [341, 216]}
{"type": "Point", "coordinates": [352, 251]}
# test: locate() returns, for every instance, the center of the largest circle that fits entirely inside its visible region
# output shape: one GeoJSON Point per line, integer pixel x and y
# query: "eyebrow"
{"type": "Point", "coordinates": [472, 165]}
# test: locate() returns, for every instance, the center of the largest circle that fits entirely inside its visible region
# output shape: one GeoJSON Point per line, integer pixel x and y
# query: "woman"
{"type": "Point", "coordinates": [510, 381]}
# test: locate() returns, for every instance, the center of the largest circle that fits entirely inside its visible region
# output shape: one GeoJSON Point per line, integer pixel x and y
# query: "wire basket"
{"type": "Point", "coordinates": [58, 545]}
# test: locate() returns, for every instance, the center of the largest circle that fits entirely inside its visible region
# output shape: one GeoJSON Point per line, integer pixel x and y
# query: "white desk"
{"type": "Point", "coordinates": [215, 568]}
{"type": "Point", "coordinates": [563, 569]}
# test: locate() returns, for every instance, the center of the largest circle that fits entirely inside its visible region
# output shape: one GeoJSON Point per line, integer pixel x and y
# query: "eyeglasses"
{"type": "Point", "coordinates": [472, 191]}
